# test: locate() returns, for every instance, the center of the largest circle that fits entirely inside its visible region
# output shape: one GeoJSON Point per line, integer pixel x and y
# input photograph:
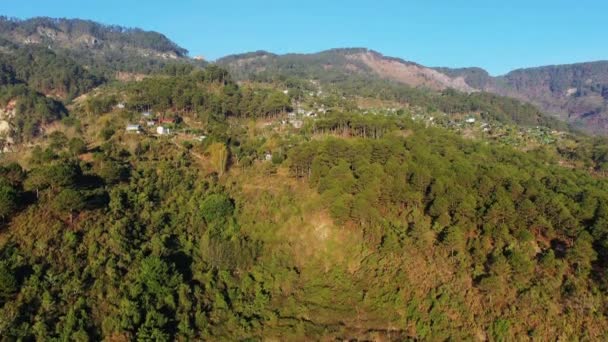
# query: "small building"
{"type": "Point", "coordinates": [146, 114]}
{"type": "Point", "coordinates": [150, 123]}
{"type": "Point", "coordinates": [133, 128]}
{"type": "Point", "coordinates": [166, 120]}
{"type": "Point", "coordinates": [120, 105]}
{"type": "Point", "coordinates": [268, 156]}
{"type": "Point", "coordinates": [201, 138]}
{"type": "Point", "coordinates": [297, 123]}
{"type": "Point", "coordinates": [160, 130]}
{"type": "Point", "coordinates": [470, 120]}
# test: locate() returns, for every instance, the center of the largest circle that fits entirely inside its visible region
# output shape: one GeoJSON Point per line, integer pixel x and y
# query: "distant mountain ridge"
{"type": "Point", "coordinates": [576, 93]}
{"type": "Point", "coordinates": [331, 63]}
{"type": "Point", "coordinates": [77, 33]}
{"type": "Point", "coordinates": [107, 49]}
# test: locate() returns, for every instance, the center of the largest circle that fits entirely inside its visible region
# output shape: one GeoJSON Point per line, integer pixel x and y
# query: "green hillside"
{"type": "Point", "coordinates": [357, 227]}
{"type": "Point", "coordinates": [287, 201]}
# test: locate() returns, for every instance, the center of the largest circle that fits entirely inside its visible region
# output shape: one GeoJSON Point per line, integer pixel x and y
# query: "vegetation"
{"type": "Point", "coordinates": [31, 110]}
{"type": "Point", "coordinates": [280, 209]}
{"type": "Point", "coordinates": [209, 92]}
{"type": "Point", "coordinates": [46, 72]}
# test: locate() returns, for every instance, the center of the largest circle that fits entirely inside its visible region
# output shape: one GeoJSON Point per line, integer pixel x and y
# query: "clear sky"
{"type": "Point", "coordinates": [496, 35]}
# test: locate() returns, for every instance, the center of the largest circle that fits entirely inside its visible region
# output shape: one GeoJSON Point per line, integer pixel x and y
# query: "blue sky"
{"type": "Point", "coordinates": [496, 35]}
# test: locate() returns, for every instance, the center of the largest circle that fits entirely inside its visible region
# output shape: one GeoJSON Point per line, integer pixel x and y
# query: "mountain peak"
{"type": "Point", "coordinates": [86, 34]}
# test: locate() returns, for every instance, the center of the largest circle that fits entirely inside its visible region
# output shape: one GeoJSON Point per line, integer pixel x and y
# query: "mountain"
{"type": "Point", "coordinates": [107, 48]}
{"type": "Point", "coordinates": [45, 63]}
{"type": "Point", "coordinates": [576, 93]}
{"type": "Point", "coordinates": [333, 64]}
{"type": "Point", "coordinates": [396, 203]}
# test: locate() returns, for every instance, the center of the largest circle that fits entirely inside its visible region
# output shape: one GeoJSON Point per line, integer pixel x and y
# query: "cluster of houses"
{"type": "Point", "coordinates": [151, 121]}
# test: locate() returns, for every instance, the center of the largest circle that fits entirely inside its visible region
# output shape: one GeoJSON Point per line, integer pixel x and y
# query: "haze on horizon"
{"type": "Point", "coordinates": [498, 37]}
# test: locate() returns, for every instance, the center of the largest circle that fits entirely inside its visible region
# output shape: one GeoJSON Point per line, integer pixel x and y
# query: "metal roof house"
{"type": "Point", "coordinates": [133, 128]}
{"type": "Point", "coordinates": [160, 130]}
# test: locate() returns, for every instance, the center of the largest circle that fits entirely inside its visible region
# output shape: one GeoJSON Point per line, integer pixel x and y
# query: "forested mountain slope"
{"type": "Point", "coordinates": [353, 226]}
{"type": "Point", "coordinates": [577, 93]}
{"type": "Point", "coordinates": [336, 196]}
{"type": "Point", "coordinates": [336, 64]}
{"type": "Point", "coordinates": [105, 48]}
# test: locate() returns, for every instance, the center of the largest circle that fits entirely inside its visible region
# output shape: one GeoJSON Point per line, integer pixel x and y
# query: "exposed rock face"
{"type": "Point", "coordinates": [409, 73]}
{"type": "Point", "coordinates": [6, 131]}
{"type": "Point", "coordinates": [350, 61]}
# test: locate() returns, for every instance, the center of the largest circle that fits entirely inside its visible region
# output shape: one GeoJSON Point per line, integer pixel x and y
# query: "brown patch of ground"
{"type": "Point", "coordinates": [410, 73]}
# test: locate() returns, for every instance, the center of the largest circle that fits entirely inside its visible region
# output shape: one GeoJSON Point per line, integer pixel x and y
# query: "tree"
{"type": "Point", "coordinates": [455, 240]}
{"type": "Point", "coordinates": [8, 282]}
{"type": "Point", "coordinates": [216, 208]}
{"type": "Point", "coordinates": [582, 254]}
{"type": "Point", "coordinates": [70, 201]}
{"type": "Point", "coordinates": [8, 200]}
{"type": "Point", "coordinates": [77, 146]}
{"type": "Point", "coordinates": [218, 154]}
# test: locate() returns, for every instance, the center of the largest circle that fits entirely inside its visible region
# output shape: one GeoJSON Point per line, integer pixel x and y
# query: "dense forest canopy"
{"type": "Point", "coordinates": [47, 72]}
{"type": "Point", "coordinates": [178, 254]}
{"type": "Point", "coordinates": [292, 203]}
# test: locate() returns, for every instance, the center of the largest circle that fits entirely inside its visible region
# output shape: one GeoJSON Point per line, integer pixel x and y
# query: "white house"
{"type": "Point", "coordinates": [470, 120]}
{"type": "Point", "coordinates": [162, 130]}
{"type": "Point", "coordinates": [133, 128]}
{"type": "Point", "coordinates": [297, 123]}
{"type": "Point", "coordinates": [120, 106]}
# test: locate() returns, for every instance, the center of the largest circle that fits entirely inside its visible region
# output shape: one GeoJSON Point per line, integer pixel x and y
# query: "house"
{"type": "Point", "coordinates": [150, 123]}
{"type": "Point", "coordinates": [297, 123]}
{"type": "Point", "coordinates": [120, 105]}
{"type": "Point", "coordinates": [146, 114]}
{"type": "Point", "coordinates": [160, 130]}
{"type": "Point", "coordinates": [470, 120]}
{"type": "Point", "coordinates": [133, 128]}
{"type": "Point", "coordinates": [201, 138]}
{"type": "Point", "coordinates": [268, 156]}
{"type": "Point", "coordinates": [166, 120]}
